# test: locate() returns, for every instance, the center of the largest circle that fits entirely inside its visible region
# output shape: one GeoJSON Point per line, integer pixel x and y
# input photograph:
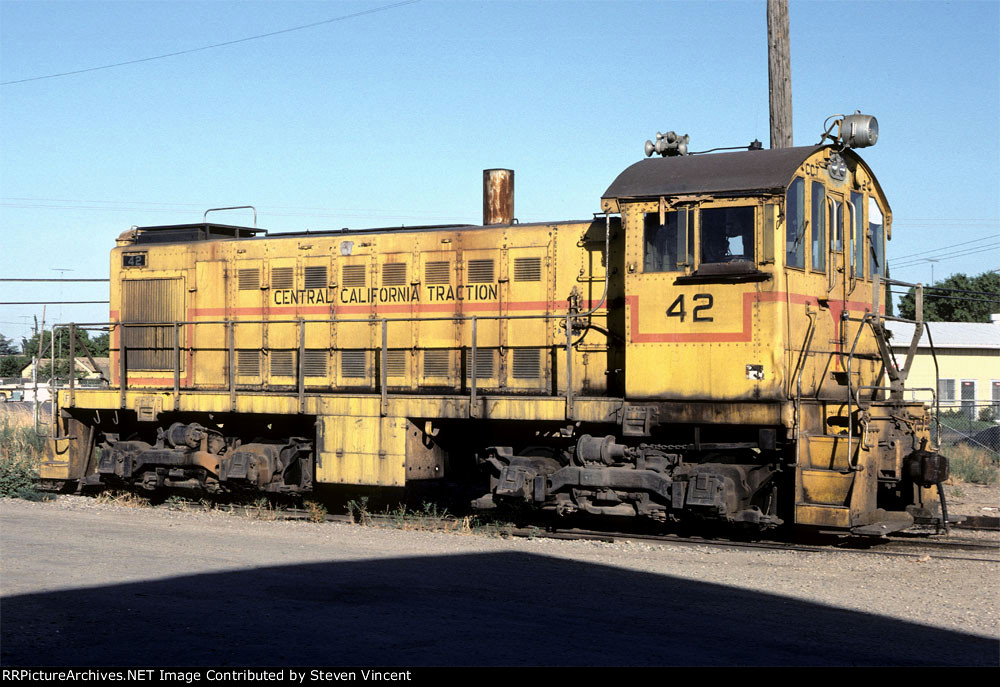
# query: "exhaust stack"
{"type": "Point", "coordinates": [498, 196]}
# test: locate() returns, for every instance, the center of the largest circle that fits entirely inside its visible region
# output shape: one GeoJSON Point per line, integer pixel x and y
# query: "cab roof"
{"type": "Point", "coordinates": [751, 171]}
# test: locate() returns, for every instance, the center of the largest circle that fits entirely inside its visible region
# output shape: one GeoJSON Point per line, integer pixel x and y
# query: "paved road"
{"type": "Point", "coordinates": [85, 584]}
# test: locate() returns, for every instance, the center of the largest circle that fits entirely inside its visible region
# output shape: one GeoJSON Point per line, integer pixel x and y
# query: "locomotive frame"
{"type": "Point", "coordinates": [710, 346]}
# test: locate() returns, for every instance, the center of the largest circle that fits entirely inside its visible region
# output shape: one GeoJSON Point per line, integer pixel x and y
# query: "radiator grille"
{"type": "Point", "coordinates": [395, 363]}
{"type": "Point", "coordinates": [527, 363]}
{"type": "Point", "coordinates": [354, 275]}
{"type": "Point", "coordinates": [484, 364]}
{"type": "Point", "coordinates": [282, 277]}
{"type": "Point", "coordinates": [480, 271]}
{"type": "Point", "coordinates": [248, 279]}
{"type": "Point", "coordinates": [314, 363]}
{"type": "Point", "coordinates": [394, 274]}
{"type": "Point", "coordinates": [527, 269]}
{"type": "Point", "coordinates": [315, 277]}
{"type": "Point", "coordinates": [283, 364]}
{"type": "Point", "coordinates": [437, 272]}
{"type": "Point", "coordinates": [354, 364]}
{"type": "Point", "coordinates": [437, 363]}
{"type": "Point", "coordinates": [151, 300]}
{"type": "Point", "coordinates": [248, 363]}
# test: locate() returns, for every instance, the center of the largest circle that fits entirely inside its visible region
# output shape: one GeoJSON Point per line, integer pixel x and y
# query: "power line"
{"type": "Point", "coordinates": [126, 205]}
{"type": "Point", "coordinates": [215, 45]}
{"type": "Point", "coordinates": [359, 213]}
{"type": "Point", "coordinates": [954, 245]}
{"type": "Point", "coordinates": [974, 292]}
{"type": "Point", "coordinates": [936, 297]}
{"type": "Point", "coordinates": [53, 302]}
{"type": "Point", "coordinates": [989, 248]}
{"type": "Point", "coordinates": [55, 280]}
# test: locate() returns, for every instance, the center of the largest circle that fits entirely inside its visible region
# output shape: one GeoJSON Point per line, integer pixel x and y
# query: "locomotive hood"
{"type": "Point", "coordinates": [746, 171]}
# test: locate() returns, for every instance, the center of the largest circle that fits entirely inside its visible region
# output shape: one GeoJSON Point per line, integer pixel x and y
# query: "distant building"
{"type": "Point", "coordinates": [968, 361]}
{"type": "Point", "coordinates": [83, 367]}
{"type": "Point", "coordinates": [23, 388]}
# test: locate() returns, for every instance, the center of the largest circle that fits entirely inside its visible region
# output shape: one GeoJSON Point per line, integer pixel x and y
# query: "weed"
{"type": "Point", "coordinates": [398, 517]}
{"type": "Point", "coordinates": [316, 511]}
{"type": "Point", "coordinates": [979, 466]}
{"type": "Point", "coordinates": [20, 453]}
{"type": "Point", "coordinates": [176, 502]}
{"type": "Point", "coordinates": [358, 510]}
{"type": "Point", "coordinates": [430, 510]}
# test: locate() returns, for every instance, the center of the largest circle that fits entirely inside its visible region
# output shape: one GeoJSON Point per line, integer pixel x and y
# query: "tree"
{"type": "Point", "coordinates": [7, 346]}
{"type": "Point", "coordinates": [40, 345]}
{"type": "Point", "coordinates": [11, 363]}
{"type": "Point", "coordinates": [973, 299]}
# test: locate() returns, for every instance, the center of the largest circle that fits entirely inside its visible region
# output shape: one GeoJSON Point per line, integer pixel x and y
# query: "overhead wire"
{"type": "Point", "coordinates": [941, 248]}
{"type": "Point", "coordinates": [353, 15]}
{"type": "Point", "coordinates": [937, 297]}
{"type": "Point", "coordinates": [946, 256]}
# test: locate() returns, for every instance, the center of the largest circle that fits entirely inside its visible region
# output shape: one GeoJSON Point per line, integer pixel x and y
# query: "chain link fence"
{"type": "Point", "coordinates": [972, 424]}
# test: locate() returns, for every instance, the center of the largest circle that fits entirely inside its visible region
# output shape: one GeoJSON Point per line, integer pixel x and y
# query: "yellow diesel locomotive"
{"type": "Point", "coordinates": [710, 345]}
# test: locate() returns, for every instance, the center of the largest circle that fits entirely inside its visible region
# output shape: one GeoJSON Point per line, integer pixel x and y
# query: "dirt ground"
{"type": "Point", "coordinates": [965, 498]}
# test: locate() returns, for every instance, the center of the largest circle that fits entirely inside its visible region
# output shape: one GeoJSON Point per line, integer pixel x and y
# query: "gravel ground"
{"type": "Point", "coordinates": [89, 583]}
{"type": "Point", "coordinates": [965, 498]}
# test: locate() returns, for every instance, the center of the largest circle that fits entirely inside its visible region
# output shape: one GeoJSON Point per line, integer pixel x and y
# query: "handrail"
{"type": "Point", "coordinates": [807, 342]}
{"type": "Point", "coordinates": [301, 322]}
{"type": "Point", "coordinates": [384, 406]}
{"type": "Point", "coordinates": [850, 247]}
{"type": "Point", "coordinates": [831, 281]}
{"type": "Point", "coordinates": [232, 207]}
{"type": "Point", "coordinates": [897, 377]}
{"type": "Point", "coordinates": [473, 403]}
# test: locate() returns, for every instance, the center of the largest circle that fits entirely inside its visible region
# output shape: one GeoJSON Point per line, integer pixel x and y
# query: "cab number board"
{"type": "Point", "coordinates": [702, 303]}
{"type": "Point", "coordinates": [133, 259]}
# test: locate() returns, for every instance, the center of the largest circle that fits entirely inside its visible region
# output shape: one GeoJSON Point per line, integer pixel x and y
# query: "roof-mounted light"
{"type": "Point", "coordinates": [853, 131]}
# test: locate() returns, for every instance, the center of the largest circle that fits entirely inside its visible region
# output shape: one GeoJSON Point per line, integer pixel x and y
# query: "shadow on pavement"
{"type": "Point", "coordinates": [480, 609]}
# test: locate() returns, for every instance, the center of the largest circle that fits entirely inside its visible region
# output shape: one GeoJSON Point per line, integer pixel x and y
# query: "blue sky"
{"type": "Point", "coordinates": [389, 118]}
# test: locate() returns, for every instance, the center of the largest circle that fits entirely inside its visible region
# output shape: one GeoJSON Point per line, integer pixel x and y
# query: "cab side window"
{"type": "Point", "coordinates": [857, 220]}
{"type": "Point", "coordinates": [667, 247]}
{"type": "Point", "coordinates": [727, 234]}
{"type": "Point", "coordinates": [818, 226]}
{"type": "Point", "coordinates": [876, 234]}
{"type": "Point", "coordinates": [795, 224]}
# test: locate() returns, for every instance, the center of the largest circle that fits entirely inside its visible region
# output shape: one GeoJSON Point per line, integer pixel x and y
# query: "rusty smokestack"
{"type": "Point", "coordinates": [498, 196]}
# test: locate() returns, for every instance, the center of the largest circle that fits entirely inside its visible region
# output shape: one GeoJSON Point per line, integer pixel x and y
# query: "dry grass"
{"type": "Point", "coordinates": [979, 466]}
{"type": "Point", "coordinates": [427, 518]}
{"type": "Point", "coordinates": [125, 499]}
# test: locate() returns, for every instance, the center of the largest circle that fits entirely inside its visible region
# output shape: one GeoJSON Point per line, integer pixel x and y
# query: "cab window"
{"type": "Point", "coordinates": [667, 247]}
{"type": "Point", "coordinates": [876, 234]}
{"type": "Point", "coordinates": [836, 229]}
{"type": "Point", "coordinates": [818, 226]}
{"type": "Point", "coordinates": [795, 225]}
{"type": "Point", "coordinates": [727, 234]}
{"type": "Point", "coordinates": [857, 220]}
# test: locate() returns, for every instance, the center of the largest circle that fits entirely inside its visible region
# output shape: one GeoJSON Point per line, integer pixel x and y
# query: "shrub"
{"type": "Point", "coordinates": [973, 465]}
{"type": "Point", "coordinates": [20, 453]}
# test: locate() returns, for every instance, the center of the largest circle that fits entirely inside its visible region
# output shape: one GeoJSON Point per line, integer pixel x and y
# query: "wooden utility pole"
{"type": "Point", "coordinates": [779, 73]}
